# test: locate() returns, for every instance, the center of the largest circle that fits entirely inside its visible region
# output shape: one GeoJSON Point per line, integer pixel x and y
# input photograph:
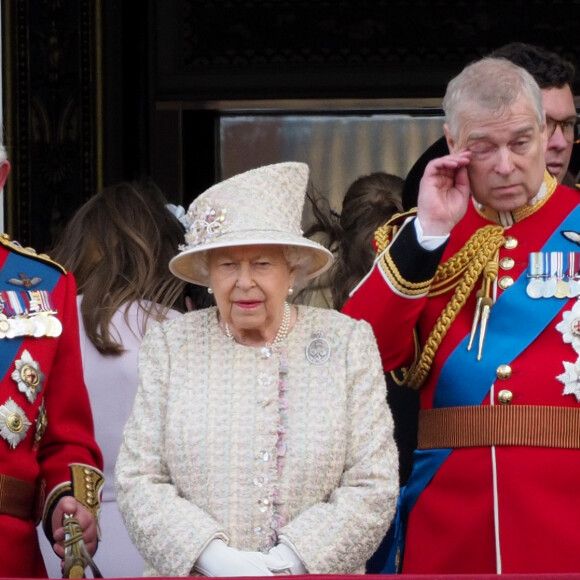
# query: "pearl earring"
{"type": "Point", "coordinates": [290, 290]}
{"type": "Point", "coordinates": [209, 291]}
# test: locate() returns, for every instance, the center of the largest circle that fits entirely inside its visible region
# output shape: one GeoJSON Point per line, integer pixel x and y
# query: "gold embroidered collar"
{"type": "Point", "coordinates": [507, 218]}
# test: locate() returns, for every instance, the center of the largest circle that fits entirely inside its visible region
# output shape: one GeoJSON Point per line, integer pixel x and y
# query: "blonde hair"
{"type": "Point", "coordinates": [118, 246]}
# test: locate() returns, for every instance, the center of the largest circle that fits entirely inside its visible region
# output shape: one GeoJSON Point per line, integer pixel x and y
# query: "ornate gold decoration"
{"type": "Point", "coordinates": [6, 241]}
{"type": "Point", "coordinates": [87, 482]}
{"type": "Point", "coordinates": [399, 282]}
{"type": "Point", "coordinates": [470, 261]}
{"type": "Point", "coordinates": [448, 272]}
{"type": "Point", "coordinates": [384, 234]}
{"type": "Point", "coordinates": [40, 424]}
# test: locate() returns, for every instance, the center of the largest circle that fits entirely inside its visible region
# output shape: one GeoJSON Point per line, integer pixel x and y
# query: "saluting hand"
{"type": "Point", "coordinates": [444, 193]}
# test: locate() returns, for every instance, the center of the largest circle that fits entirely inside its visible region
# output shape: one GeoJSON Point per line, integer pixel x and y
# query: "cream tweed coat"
{"type": "Point", "coordinates": [225, 442]}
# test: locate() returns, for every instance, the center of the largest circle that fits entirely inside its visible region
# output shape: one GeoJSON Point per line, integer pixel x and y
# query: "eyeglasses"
{"type": "Point", "coordinates": [569, 127]}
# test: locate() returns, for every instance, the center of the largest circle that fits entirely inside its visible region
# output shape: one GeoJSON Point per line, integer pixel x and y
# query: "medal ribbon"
{"type": "Point", "coordinates": [14, 264]}
{"type": "Point", "coordinates": [557, 265]}
{"type": "Point", "coordinates": [536, 267]}
{"type": "Point", "coordinates": [36, 301]}
{"type": "Point", "coordinates": [12, 304]}
{"type": "Point", "coordinates": [573, 264]}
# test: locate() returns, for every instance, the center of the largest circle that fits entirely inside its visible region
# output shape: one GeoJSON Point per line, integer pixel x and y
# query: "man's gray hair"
{"type": "Point", "coordinates": [494, 84]}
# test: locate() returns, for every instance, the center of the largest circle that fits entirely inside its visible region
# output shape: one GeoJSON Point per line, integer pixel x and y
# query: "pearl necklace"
{"type": "Point", "coordinates": [282, 331]}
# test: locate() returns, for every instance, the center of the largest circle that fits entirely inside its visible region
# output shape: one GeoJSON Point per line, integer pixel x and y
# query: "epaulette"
{"type": "Point", "coordinates": [14, 246]}
{"type": "Point", "coordinates": [384, 234]}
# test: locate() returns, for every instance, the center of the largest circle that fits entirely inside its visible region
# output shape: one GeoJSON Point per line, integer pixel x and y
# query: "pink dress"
{"type": "Point", "coordinates": [112, 383]}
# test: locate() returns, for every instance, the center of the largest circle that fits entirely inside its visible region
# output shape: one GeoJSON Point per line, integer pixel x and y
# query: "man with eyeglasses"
{"type": "Point", "coordinates": [555, 76]}
{"type": "Point", "coordinates": [570, 135]}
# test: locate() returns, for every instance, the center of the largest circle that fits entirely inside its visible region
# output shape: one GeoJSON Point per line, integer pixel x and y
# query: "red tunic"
{"type": "Point", "coordinates": [68, 437]}
{"type": "Point", "coordinates": [451, 527]}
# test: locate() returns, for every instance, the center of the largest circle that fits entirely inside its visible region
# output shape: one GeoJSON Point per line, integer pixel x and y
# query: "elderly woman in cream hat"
{"type": "Point", "coordinates": [260, 442]}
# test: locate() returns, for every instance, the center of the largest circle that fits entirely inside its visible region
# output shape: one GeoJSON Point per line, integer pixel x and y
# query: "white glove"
{"type": "Point", "coordinates": [218, 559]}
{"type": "Point", "coordinates": [283, 560]}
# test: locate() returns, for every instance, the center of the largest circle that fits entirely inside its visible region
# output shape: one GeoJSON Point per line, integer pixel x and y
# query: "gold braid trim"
{"type": "Point", "coordinates": [471, 260]}
{"type": "Point", "coordinates": [87, 483]}
{"type": "Point", "coordinates": [383, 237]}
{"type": "Point", "coordinates": [405, 287]}
{"type": "Point", "coordinates": [29, 252]}
{"type": "Point", "coordinates": [384, 234]}
{"type": "Point", "coordinates": [401, 375]}
{"type": "Point", "coordinates": [447, 273]}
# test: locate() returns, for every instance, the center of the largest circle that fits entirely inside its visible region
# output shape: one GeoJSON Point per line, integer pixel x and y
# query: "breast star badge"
{"type": "Point", "coordinates": [13, 423]}
{"type": "Point", "coordinates": [571, 379]}
{"type": "Point", "coordinates": [569, 326]}
{"type": "Point", "coordinates": [28, 376]}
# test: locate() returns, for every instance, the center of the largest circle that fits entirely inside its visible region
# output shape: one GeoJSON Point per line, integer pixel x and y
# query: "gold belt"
{"type": "Point", "coordinates": [483, 426]}
{"type": "Point", "coordinates": [17, 497]}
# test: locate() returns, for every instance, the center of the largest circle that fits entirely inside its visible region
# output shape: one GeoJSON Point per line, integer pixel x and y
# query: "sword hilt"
{"type": "Point", "coordinates": [76, 555]}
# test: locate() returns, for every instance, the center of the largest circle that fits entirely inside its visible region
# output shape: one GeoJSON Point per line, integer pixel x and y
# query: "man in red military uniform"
{"type": "Point", "coordinates": [477, 294]}
{"type": "Point", "coordinates": [49, 461]}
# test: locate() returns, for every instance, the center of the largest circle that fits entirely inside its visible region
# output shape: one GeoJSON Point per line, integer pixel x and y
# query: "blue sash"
{"type": "Point", "coordinates": [15, 264]}
{"type": "Point", "coordinates": [504, 341]}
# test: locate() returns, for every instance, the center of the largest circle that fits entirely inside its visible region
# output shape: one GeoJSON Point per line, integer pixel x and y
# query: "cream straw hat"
{"type": "Point", "coordinates": [260, 206]}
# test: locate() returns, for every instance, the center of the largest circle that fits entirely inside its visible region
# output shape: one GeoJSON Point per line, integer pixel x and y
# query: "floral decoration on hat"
{"type": "Point", "coordinates": [258, 207]}
{"type": "Point", "coordinates": [204, 224]}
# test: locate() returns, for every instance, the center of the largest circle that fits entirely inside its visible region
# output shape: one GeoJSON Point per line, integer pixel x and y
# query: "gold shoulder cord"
{"type": "Point", "coordinates": [447, 273]}
{"type": "Point", "coordinates": [384, 234]}
{"type": "Point", "coordinates": [476, 256]}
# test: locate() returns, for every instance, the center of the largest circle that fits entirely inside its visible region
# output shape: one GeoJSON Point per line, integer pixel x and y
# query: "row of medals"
{"type": "Point", "coordinates": [546, 274]}
{"type": "Point", "coordinates": [37, 325]}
